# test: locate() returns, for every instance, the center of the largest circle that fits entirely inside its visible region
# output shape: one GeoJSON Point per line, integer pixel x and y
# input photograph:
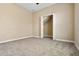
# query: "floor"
{"type": "Point", "coordinates": [38, 47]}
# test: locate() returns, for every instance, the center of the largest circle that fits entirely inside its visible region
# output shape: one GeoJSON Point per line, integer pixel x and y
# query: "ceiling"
{"type": "Point", "coordinates": [33, 7]}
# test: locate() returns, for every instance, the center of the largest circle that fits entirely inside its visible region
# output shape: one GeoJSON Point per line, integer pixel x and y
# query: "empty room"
{"type": "Point", "coordinates": [39, 29]}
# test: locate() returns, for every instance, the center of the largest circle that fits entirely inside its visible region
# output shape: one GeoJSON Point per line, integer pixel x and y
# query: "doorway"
{"type": "Point", "coordinates": [47, 26]}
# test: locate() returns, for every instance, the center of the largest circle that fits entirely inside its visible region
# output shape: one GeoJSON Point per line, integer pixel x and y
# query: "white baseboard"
{"type": "Point", "coordinates": [64, 40]}
{"type": "Point", "coordinates": [36, 37]}
{"type": "Point", "coordinates": [15, 39]}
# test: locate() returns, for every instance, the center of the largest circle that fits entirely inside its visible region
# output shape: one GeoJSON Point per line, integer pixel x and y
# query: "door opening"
{"type": "Point", "coordinates": [47, 26]}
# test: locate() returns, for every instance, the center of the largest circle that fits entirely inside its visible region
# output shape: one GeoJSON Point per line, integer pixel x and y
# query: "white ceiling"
{"type": "Point", "coordinates": [33, 7]}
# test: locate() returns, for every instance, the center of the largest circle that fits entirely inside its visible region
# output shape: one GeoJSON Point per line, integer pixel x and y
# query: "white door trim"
{"type": "Point", "coordinates": [42, 24]}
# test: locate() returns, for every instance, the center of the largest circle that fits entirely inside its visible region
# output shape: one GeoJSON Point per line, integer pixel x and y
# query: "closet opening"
{"type": "Point", "coordinates": [47, 26]}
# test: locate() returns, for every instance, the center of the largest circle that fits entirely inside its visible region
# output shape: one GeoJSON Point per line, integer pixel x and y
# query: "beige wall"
{"type": "Point", "coordinates": [77, 25]}
{"type": "Point", "coordinates": [15, 22]}
{"type": "Point", "coordinates": [48, 26]}
{"type": "Point", "coordinates": [63, 21]}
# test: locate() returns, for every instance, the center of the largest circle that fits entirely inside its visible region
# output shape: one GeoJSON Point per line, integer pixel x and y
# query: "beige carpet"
{"type": "Point", "coordinates": [38, 47]}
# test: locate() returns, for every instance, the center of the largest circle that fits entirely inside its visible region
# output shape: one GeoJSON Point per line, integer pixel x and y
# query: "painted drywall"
{"type": "Point", "coordinates": [77, 25]}
{"type": "Point", "coordinates": [63, 24]}
{"type": "Point", "coordinates": [48, 26]}
{"type": "Point", "coordinates": [15, 22]}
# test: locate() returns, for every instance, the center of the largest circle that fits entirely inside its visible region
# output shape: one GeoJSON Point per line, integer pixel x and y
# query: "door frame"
{"type": "Point", "coordinates": [42, 27]}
